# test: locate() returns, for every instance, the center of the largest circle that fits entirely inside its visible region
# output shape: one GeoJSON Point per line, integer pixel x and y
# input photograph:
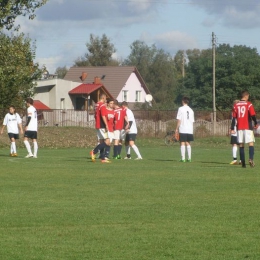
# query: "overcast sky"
{"type": "Point", "coordinates": [62, 27]}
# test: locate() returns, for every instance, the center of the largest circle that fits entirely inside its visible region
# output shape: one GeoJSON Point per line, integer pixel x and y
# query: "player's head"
{"type": "Point", "coordinates": [110, 103]}
{"type": "Point", "coordinates": [11, 109]}
{"type": "Point", "coordinates": [116, 104]}
{"type": "Point", "coordinates": [124, 104]}
{"type": "Point", "coordinates": [245, 95]}
{"type": "Point", "coordinates": [29, 102]}
{"type": "Point", "coordinates": [103, 97]}
{"type": "Point", "coordinates": [185, 100]}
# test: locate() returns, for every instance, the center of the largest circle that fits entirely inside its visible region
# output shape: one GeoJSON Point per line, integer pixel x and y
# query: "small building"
{"type": "Point", "coordinates": [81, 87]}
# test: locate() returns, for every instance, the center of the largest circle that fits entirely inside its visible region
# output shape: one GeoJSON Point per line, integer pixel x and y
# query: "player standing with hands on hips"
{"type": "Point", "coordinates": [185, 117]}
{"type": "Point", "coordinates": [243, 114]}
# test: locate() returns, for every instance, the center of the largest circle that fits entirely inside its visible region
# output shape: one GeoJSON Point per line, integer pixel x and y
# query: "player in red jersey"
{"type": "Point", "coordinates": [119, 132]}
{"type": "Point", "coordinates": [110, 118]}
{"type": "Point", "coordinates": [101, 127]}
{"type": "Point", "coordinates": [243, 114]}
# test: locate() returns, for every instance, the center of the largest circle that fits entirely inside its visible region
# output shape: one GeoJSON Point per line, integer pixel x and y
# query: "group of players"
{"type": "Point", "coordinates": [114, 124]}
{"type": "Point", "coordinates": [243, 117]}
{"type": "Point", "coordinates": [12, 121]}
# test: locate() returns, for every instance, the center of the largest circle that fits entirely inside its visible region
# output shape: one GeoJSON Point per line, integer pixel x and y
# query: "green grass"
{"type": "Point", "coordinates": [62, 206]}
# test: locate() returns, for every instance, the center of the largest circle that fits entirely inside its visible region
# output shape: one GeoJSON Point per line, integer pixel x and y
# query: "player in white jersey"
{"type": "Point", "coordinates": [131, 133]}
{"type": "Point", "coordinates": [185, 117]}
{"type": "Point", "coordinates": [31, 128]}
{"type": "Point", "coordinates": [12, 120]}
{"type": "Point", "coordinates": [234, 142]}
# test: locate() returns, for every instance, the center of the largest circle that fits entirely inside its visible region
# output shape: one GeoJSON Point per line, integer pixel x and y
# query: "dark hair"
{"type": "Point", "coordinates": [124, 103]}
{"type": "Point", "coordinates": [109, 100]}
{"type": "Point", "coordinates": [116, 102]}
{"type": "Point", "coordinates": [12, 107]}
{"type": "Point", "coordinates": [244, 93]}
{"type": "Point", "coordinates": [186, 100]}
{"type": "Point", "coordinates": [29, 100]}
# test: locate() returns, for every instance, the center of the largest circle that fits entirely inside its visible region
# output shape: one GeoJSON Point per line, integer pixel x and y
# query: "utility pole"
{"type": "Point", "coordinates": [214, 81]}
{"type": "Point", "coordinates": [183, 64]}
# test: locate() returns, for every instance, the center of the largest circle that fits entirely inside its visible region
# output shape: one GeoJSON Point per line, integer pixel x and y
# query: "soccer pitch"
{"type": "Point", "coordinates": [63, 206]}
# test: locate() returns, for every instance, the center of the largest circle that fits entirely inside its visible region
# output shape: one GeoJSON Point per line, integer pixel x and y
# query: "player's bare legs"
{"type": "Point", "coordinates": [183, 146]}
{"type": "Point", "coordinates": [13, 147]}
{"type": "Point", "coordinates": [134, 147]}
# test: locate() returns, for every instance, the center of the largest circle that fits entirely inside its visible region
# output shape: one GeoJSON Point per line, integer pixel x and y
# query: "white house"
{"type": "Point", "coordinates": [82, 86]}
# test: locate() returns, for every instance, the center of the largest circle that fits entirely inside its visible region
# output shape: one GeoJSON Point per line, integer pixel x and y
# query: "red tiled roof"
{"type": "Point", "coordinates": [85, 89]}
{"type": "Point", "coordinates": [113, 77]}
{"type": "Point", "coordinates": [39, 105]}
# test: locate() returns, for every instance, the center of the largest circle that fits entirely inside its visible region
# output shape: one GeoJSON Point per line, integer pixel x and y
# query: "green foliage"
{"type": "Point", "coordinates": [10, 9]}
{"type": "Point", "coordinates": [158, 70]}
{"type": "Point", "coordinates": [18, 72]}
{"type": "Point", "coordinates": [61, 72]}
{"type": "Point", "coordinates": [100, 51]}
{"type": "Point", "coordinates": [237, 68]}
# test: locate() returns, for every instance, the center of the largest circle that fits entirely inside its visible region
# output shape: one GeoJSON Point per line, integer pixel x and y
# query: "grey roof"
{"type": "Point", "coordinates": [112, 77]}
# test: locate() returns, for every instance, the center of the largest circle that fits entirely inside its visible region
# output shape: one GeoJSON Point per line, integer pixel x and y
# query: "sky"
{"type": "Point", "coordinates": [62, 28]}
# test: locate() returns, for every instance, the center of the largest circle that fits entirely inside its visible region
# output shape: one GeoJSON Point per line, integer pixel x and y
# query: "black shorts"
{"type": "Point", "coordinates": [15, 136]}
{"type": "Point", "coordinates": [186, 137]}
{"type": "Point", "coordinates": [130, 137]}
{"type": "Point", "coordinates": [30, 134]}
{"type": "Point", "coordinates": [233, 140]}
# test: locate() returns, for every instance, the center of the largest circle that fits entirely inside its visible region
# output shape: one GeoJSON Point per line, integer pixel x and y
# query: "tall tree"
{"type": "Point", "coordinates": [61, 72]}
{"type": "Point", "coordinates": [158, 70]}
{"type": "Point", "coordinates": [100, 51]}
{"type": "Point", "coordinates": [237, 68]}
{"type": "Point", "coordinates": [10, 9]}
{"type": "Point", "coordinates": [18, 72]}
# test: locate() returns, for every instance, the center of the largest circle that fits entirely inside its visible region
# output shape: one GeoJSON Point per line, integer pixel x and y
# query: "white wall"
{"type": "Point", "coordinates": [56, 89]}
{"type": "Point", "coordinates": [132, 85]}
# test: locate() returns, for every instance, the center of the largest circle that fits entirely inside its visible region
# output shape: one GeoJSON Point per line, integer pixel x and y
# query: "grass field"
{"type": "Point", "coordinates": [63, 206]}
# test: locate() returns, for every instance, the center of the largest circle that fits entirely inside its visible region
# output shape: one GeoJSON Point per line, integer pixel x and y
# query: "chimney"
{"type": "Point", "coordinates": [84, 76]}
{"type": "Point", "coordinates": [97, 80]}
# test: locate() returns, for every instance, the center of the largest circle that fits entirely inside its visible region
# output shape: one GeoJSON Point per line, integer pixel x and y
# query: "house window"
{"type": "Point", "coordinates": [62, 103]}
{"type": "Point", "coordinates": [125, 95]}
{"type": "Point", "coordinates": [138, 96]}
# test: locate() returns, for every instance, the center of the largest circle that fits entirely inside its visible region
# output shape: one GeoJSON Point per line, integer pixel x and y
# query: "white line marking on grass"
{"type": "Point", "coordinates": [14, 160]}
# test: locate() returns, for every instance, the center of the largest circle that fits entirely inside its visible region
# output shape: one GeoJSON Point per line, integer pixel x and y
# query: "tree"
{"type": "Point", "coordinates": [18, 72]}
{"type": "Point", "coordinates": [237, 68]}
{"type": "Point", "coordinates": [158, 70]}
{"type": "Point", "coordinates": [10, 9]}
{"type": "Point", "coordinates": [100, 51]}
{"type": "Point", "coordinates": [61, 72]}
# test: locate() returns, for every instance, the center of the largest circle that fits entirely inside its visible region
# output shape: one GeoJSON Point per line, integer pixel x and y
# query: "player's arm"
{"type": "Point", "coordinates": [29, 117]}
{"type": "Point", "coordinates": [126, 122]}
{"type": "Point", "coordinates": [2, 129]}
{"type": "Point", "coordinates": [178, 125]}
{"type": "Point", "coordinates": [4, 124]}
{"type": "Point", "coordinates": [254, 120]}
{"type": "Point", "coordinates": [233, 124]}
{"type": "Point", "coordinates": [253, 115]}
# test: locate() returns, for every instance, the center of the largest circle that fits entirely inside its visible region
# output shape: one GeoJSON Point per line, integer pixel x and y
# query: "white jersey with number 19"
{"type": "Point", "coordinates": [186, 116]}
{"type": "Point", "coordinates": [33, 125]}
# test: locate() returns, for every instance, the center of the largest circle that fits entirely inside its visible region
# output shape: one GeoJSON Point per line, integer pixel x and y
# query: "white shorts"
{"type": "Point", "coordinates": [103, 134]}
{"type": "Point", "coordinates": [245, 136]}
{"type": "Point", "coordinates": [119, 134]}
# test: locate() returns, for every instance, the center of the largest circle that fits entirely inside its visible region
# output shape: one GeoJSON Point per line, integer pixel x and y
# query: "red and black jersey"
{"type": "Point", "coordinates": [243, 111]}
{"type": "Point", "coordinates": [120, 114]}
{"type": "Point", "coordinates": [110, 116]}
{"type": "Point", "coordinates": [100, 110]}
